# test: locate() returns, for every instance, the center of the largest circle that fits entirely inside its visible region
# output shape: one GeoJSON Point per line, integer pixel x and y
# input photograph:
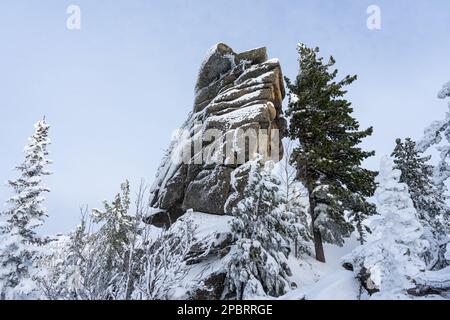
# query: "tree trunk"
{"type": "Point", "coordinates": [317, 236]}
{"type": "Point", "coordinates": [320, 254]}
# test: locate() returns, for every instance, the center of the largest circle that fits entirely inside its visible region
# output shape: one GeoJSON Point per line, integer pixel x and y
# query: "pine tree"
{"type": "Point", "coordinates": [56, 283]}
{"type": "Point", "coordinates": [80, 262]}
{"type": "Point", "coordinates": [434, 135]}
{"type": "Point", "coordinates": [258, 261]}
{"type": "Point", "coordinates": [103, 258]}
{"type": "Point", "coordinates": [113, 240]}
{"type": "Point", "coordinates": [293, 195]}
{"type": "Point", "coordinates": [417, 174]}
{"type": "Point", "coordinates": [328, 159]}
{"type": "Point", "coordinates": [392, 258]}
{"type": "Point", "coordinates": [72, 265]}
{"type": "Point", "coordinates": [445, 91]}
{"type": "Point", "coordinates": [21, 246]}
{"type": "Point", "coordinates": [165, 264]}
{"type": "Point", "coordinates": [429, 202]}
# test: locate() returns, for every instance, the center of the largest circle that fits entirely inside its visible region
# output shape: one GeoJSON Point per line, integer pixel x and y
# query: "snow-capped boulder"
{"type": "Point", "coordinates": [203, 265]}
{"type": "Point", "coordinates": [237, 95]}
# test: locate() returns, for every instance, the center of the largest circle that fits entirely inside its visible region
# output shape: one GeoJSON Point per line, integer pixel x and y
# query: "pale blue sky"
{"type": "Point", "coordinates": [116, 89]}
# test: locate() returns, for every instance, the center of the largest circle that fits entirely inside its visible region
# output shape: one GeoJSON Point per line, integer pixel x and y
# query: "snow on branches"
{"type": "Point", "coordinates": [20, 245]}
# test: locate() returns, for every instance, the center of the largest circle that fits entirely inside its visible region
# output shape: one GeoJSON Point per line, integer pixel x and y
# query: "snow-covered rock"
{"type": "Point", "coordinates": [235, 92]}
{"type": "Point", "coordinates": [205, 264]}
{"type": "Point", "coordinates": [433, 282]}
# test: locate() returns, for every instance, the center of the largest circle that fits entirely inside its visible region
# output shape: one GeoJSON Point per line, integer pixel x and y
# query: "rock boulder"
{"type": "Point", "coordinates": [236, 93]}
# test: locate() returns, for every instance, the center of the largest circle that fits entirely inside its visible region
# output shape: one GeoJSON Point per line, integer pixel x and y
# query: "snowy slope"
{"type": "Point", "coordinates": [324, 281]}
{"type": "Point", "coordinates": [337, 285]}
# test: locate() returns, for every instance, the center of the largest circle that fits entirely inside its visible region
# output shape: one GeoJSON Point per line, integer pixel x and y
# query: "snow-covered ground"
{"type": "Point", "coordinates": [324, 281]}
{"type": "Point", "coordinates": [330, 281]}
{"type": "Point", "coordinates": [314, 280]}
{"type": "Point", "coordinates": [339, 284]}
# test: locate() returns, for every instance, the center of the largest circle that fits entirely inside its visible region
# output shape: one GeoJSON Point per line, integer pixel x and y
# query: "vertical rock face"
{"type": "Point", "coordinates": [236, 96]}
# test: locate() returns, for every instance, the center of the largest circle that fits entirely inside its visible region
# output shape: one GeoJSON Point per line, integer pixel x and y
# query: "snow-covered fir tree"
{"type": "Point", "coordinates": [417, 174]}
{"type": "Point", "coordinates": [113, 240]}
{"type": "Point", "coordinates": [328, 159]}
{"type": "Point", "coordinates": [21, 245]}
{"type": "Point", "coordinates": [427, 198]}
{"type": "Point", "coordinates": [258, 263]}
{"type": "Point", "coordinates": [389, 262]}
{"type": "Point", "coordinates": [71, 265]}
{"type": "Point", "coordinates": [445, 91]}
{"type": "Point", "coordinates": [58, 283]}
{"type": "Point", "coordinates": [360, 211]}
{"type": "Point", "coordinates": [103, 258]}
{"type": "Point", "coordinates": [80, 262]}
{"type": "Point", "coordinates": [97, 262]}
{"type": "Point", "coordinates": [434, 136]}
{"type": "Point", "coordinates": [293, 201]}
{"type": "Point", "coordinates": [164, 264]}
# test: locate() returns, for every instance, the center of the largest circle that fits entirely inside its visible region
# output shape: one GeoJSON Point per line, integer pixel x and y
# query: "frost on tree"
{"type": "Point", "coordinates": [21, 246]}
{"type": "Point", "coordinates": [445, 91]}
{"type": "Point", "coordinates": [437, 135]}
{"type": "Point", "coordinates": [392, 258]}
{"type": "Point", "coordinates": [428, 199]}
{"type": "Point", "coordinates": [434, 135]}
{"type": "Point", "coordinates": [113, 239]}
{"type": "Point", "coordinates": [102, 258]}
{"type": "Point", "coordinates": [263, 229]}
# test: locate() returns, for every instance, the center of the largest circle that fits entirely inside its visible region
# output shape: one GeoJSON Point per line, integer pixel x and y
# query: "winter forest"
{"type": "Point", "coordinates": [318, 193]}
{"type": "Point", "coordinates": [262, 193]}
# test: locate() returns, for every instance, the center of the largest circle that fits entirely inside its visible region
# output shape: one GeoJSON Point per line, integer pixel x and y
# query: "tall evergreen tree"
{"type": "Point", "coordinates": [21, 246]}
{"type": "Point", "coordinates": [328, 159]}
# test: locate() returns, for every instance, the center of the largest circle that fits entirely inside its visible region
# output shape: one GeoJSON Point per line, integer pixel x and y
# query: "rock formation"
{"type": "Point", "coordinates": [235, 93]}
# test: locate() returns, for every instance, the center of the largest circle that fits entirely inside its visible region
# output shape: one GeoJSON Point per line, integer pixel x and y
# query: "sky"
{"type": "Point", "coordinates": [115, 90]}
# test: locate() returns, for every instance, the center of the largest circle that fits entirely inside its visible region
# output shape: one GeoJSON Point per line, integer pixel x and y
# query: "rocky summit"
{"type": "Point", "coordinates": [235, 93]}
